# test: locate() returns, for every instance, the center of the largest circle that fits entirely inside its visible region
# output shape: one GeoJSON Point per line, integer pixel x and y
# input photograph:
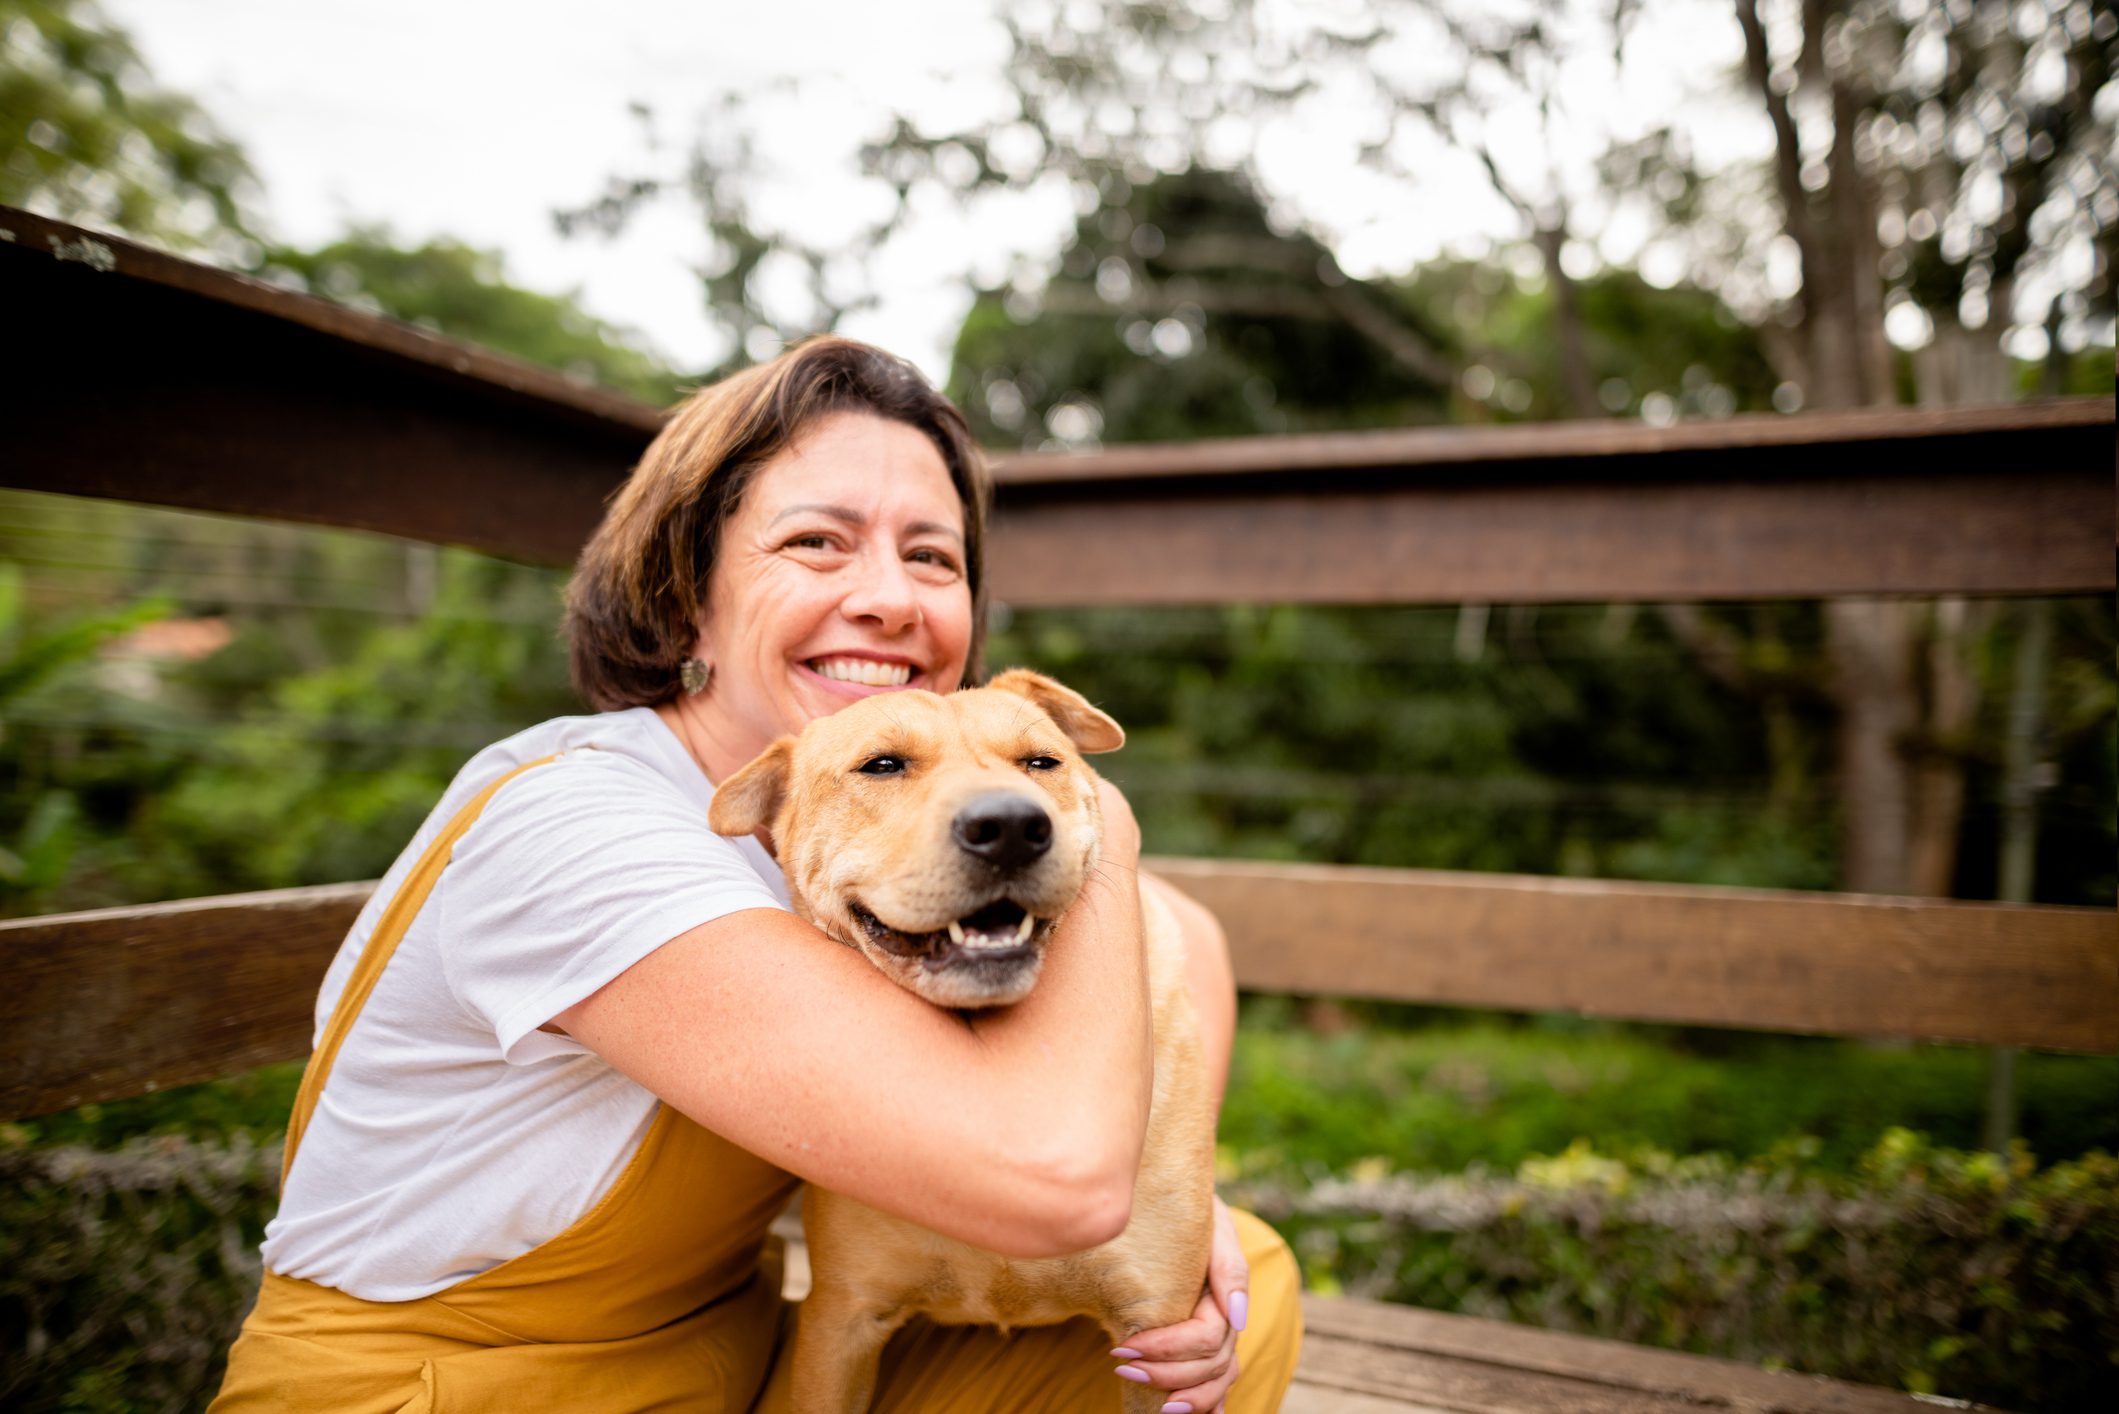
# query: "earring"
{"type": "Point", "coordinates": [694, 674]}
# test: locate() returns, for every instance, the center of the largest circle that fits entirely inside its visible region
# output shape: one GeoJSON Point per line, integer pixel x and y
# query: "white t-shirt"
{"type": "Point", "coordinates": [453, 1134]}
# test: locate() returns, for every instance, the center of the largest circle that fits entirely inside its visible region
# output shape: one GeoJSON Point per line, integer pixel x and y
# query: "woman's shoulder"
{"type": "Point", "coordinates": [606, 755]}
{"type": "Point", "coordinates": [601, 787]}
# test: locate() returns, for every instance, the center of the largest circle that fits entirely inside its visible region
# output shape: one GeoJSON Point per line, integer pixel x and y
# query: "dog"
{"type": "Point", "coordinates": [942, 837]}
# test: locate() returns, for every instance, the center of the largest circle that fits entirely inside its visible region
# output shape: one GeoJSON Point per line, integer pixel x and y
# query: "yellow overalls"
{"type": "Point", "coordinates": [656, 1298]}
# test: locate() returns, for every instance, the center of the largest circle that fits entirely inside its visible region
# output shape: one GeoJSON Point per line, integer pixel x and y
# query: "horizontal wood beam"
{"type": "Point", "coordinates": [126, 1001]}
{"type": "Point", "coordinates": [1758, 959]}
{"type": "Point", "coordinates": [1373, 1356]}
{"type": "Point", "coordinates": [138, 376]}
{"type": "Point", "coordinates": [2012, 500]}
{"type": "Point", "coordinates": [123, 1001]}
{"type": "Point", "coordinates": [133, 375]}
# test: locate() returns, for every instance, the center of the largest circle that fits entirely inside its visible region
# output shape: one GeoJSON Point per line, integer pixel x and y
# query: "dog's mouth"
{"type": "Point", "coordinates": [1002, 931]}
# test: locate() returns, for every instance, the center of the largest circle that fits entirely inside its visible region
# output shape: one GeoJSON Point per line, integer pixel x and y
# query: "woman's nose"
{"type": "Point", "coordinates": [884, 593]}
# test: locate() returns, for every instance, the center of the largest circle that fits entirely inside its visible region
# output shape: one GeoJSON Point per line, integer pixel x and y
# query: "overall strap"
{"type": "Point", "coordinates": [390, 929]}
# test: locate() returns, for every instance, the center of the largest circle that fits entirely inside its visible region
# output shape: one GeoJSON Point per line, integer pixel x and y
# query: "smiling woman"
{"type": "Point", "coordinates": [577, 1052]}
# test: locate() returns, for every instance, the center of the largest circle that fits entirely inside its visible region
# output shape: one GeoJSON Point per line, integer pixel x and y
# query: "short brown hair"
{"type": "Point", "coordinates": [634, 602]}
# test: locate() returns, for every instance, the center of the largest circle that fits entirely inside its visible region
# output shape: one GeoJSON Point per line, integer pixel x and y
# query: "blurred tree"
{"type": "Point", "coordinates": [463, 293]}
{"type": "Point", "coordinates": [1180, 312]}
{"type": "Point", "coordinates": [86, 137]}
{"type": "Point", "coordinates": [746, 259]}
{"type": "Point", "coordinates": [1942, 166]}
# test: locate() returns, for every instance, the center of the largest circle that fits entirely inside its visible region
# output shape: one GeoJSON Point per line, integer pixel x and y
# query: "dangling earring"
{"type": "Point", "coordinates": [694, 674]}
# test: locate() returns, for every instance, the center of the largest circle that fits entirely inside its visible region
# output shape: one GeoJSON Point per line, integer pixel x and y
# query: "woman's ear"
{"type": "Point", "coordinates": [750, 800]}
{"type": "Point", "coordinates": [1089, 729]}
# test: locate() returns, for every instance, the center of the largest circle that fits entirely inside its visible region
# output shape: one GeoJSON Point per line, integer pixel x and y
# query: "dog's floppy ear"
{"type": "Point", "coordinates": [748, 801]}
{"type": "Point", "coordinates": [1087, 728]}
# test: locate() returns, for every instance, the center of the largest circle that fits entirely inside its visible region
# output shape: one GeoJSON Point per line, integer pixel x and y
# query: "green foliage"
{"type": "Point", "coordinates": [1968, 1275]}
{"type": "Point", "coordinates": [124, 1275]}
{"type": "Point", "coordinates": [1682, 343]}
{"type": "Point", "coordinates": [356, 676]}
{"type": "Point", "coordinates": [86, 138]}
{"type": "Point", "coordinates": [1571, 740]}
{"type": "Point", "coordinates": [462, 293]}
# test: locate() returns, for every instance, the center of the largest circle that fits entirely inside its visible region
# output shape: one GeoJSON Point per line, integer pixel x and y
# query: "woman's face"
{"type": "Point", "coordinates": [840, 575]}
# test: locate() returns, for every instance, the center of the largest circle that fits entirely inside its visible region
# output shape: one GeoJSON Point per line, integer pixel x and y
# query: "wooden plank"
{"type": "Point", "coordinates": [1840, 964]}
{"type": "Point", "coordinates": [125, 1001]}
{"type": "Point", "coordinates": [1460, 1362]}
{"type": "Point", "coordinates": [1306, 1398]}
{"type": "Point", "coordinates": [114, 1003]}
{"type": "Point", "coordinates": [148, 378]}
{"type": "Point", "coordinates": [1590, 447]}
{"type": "Point", "coordinates": [132, 375]}
{"type": "Point", "coordinates": [2026, 512]}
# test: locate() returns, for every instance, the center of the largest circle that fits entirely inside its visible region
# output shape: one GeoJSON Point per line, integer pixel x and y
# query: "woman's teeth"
{"type": "Point", "coordinates": [865, 671]}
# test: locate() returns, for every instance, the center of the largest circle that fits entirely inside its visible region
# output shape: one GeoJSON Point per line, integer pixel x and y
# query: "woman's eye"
{"type": "Point", "coordinates": [1042, 763]}
{"type": "Point", "coordinates": [808, 542]}
{"type": "Point", "coordinates": [933, 557]}
{"type": "Point", "coordinates": [882, 766]}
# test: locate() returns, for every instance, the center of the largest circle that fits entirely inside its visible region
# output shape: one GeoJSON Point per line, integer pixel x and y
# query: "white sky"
{"type": "Point", "coordinates": [477, 119]}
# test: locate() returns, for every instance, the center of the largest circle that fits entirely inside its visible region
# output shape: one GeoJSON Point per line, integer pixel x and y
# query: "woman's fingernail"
{"type": "Point", "coordinates": [1127, 1372]}
{"type": "Point", "coordinates": [1177, 1406]}
{"type": "Point", "coordinates": [1125, 1354]}
{"type": "Point", "coordinates": [1239, 1309]}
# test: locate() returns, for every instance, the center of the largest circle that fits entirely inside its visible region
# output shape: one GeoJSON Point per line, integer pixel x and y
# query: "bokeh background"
{"type": "Point", "coordinates": [1102, 222]}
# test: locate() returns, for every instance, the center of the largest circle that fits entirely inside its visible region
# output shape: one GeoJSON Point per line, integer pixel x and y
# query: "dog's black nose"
{"type": "Point", "coordinates": [1004, 829]}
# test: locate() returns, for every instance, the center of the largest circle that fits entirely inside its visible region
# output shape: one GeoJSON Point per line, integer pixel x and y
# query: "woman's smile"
{"type": "Point", "coordinates": [864, 672]}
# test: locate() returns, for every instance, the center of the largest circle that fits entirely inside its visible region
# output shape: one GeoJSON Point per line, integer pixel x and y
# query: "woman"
{"type": "Point", "coordinates": [575, 1054]}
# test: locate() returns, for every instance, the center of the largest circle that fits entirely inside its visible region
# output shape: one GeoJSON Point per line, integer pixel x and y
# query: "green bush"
{"type": "Point", "coordinates": [1444, 1095]}
{"type": "Point", "coordinates": [124, 1273]}
{"type": "Point", "coordinates": [1968, 1275]}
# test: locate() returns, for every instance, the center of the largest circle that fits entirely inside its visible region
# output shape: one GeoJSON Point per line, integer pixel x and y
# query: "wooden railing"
{"type": "Point", "coordinates": [136, 376]}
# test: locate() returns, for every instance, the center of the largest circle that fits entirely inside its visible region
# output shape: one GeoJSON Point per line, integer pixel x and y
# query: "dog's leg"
{"type": "Point", "coordinates": [1131, 1319]}
{"type": "Point", "coordinates": [839, 1338]}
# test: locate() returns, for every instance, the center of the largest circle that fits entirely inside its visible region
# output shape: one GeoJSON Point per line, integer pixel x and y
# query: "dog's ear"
{"type": "Point", "coordinates": [750, 800]}
{"type": "Point", "coordinates": [1087, 728]}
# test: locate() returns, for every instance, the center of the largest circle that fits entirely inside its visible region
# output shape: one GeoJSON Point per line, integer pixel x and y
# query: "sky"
{"type": "Point", "coordinates": [477, 120]}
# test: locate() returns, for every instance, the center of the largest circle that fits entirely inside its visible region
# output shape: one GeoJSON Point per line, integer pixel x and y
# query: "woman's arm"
{"type": "Point", "coordinates": [1019, 1131]}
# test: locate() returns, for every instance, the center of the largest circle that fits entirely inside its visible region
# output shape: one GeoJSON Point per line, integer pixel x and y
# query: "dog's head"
{"type": "Point", "coordinates": [941, 836]}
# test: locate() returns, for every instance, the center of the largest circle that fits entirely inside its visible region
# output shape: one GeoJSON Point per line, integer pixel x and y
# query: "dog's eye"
{"type": "Point", "coordinates": [1042, 763]}
{"type": "Point", "coordinates": [882, 766]}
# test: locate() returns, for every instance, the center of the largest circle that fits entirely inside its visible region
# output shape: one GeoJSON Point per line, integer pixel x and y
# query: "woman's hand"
{"type": "Point", "coordinates": [1194, 1361]}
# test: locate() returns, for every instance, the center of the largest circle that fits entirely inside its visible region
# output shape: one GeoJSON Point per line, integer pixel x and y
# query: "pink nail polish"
{"type": "Point", "coordinates": [1127, 1372]}
{"type": "Point", "coordinates": [1124, 1354]}
{"type": "Point", "coordinates": [1177, 1406]}
{"type": "Point", "coordinates": [1239, 1309]}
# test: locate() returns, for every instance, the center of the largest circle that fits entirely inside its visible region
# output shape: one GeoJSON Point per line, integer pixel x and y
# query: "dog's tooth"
{"type": "Point", "coordinates": [956, 934]}
{"type": "Point", "coordinates": [1022, 929]}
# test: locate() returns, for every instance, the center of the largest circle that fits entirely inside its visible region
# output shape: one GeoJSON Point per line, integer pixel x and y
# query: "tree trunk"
{"type": "Point", "coordinates": [1938, 773]}
{"type": "Point", "coordinates": [1567, 327]}
{"type": "Point", "coordinates": [1869, 647]}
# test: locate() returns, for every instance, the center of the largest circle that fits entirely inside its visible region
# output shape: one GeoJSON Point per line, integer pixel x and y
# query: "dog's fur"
{"type": "Point", "coordinates": [875, 859]}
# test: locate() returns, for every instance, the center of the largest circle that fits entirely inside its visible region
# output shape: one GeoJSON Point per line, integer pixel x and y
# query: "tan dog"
{"type": "Point", "coordinates": [942, 836]}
